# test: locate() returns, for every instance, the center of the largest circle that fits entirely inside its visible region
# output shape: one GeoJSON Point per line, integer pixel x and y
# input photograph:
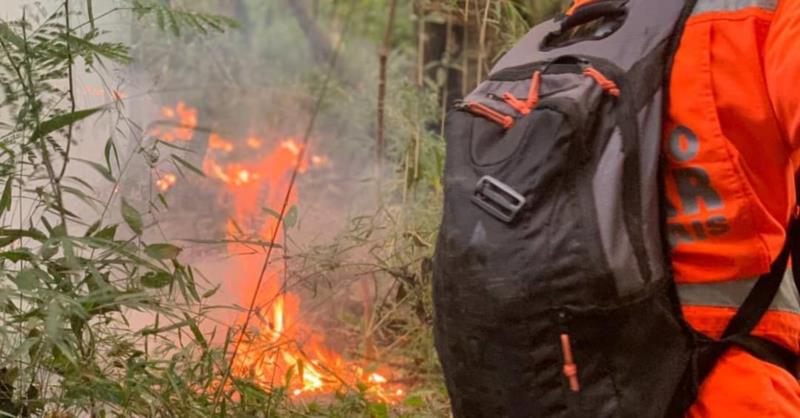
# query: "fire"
{"type": "Point", "coordinates": [101, 92]}
{"type": "Point", "coordinates": [216, 142]}
{"type": "Point", "coordinates": [165, 182]}
{"type": "Point", "coordinates": [280, 349]}
{"type": "Point", "coordinates": [254, 142]}
{"type": "Point", "coordinates": [180, 123]}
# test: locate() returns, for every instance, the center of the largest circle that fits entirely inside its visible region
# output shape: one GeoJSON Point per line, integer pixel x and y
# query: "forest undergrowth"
{"type": "Point", "coordinates": [107, 306]}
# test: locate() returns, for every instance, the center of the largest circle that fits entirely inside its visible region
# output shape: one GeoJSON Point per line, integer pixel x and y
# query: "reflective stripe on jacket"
{"type": "Point", "coordinates": [731, 135]}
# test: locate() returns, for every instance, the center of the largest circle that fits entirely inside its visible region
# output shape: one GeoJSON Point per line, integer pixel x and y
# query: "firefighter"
{"type": "Point", "coordinates": [731, 145]}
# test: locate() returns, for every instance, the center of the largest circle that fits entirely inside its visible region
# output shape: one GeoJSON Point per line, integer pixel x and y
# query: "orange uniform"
{"type": "Point", "coordinates": [732, 133]}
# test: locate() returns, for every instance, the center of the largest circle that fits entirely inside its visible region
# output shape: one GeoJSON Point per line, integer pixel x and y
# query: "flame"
{"type": "Point", "coordinates": [280, 349]}
{"type": "Point", "coordinates": [216, 142]}
{"type": "Point", "coordinates": [180, 123]}
{"type": "Point", "coordinates": [101, 92]}
{"type": "Point", "coordinates": [254, 142]}
{"type": "Point", "coordinates": [165, 182]}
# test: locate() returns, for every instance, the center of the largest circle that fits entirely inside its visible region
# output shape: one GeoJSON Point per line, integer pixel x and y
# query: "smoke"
{"type": "Point", "coordinates": [249, 95]}
{"type": "Point", "coordinates": [261, 82]}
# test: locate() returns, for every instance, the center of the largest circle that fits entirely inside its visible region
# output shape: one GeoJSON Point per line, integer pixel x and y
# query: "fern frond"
{"type": "Point", "coordinates": [177, 20]}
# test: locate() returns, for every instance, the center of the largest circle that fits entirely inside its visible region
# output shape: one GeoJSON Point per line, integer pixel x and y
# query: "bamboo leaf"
{"type": "Point", "coordinates": [108, 150]}
{"type": "Point", "coordinates": [132, 217]}
{"type": "Point", "coordinates": [20, 233]}
{"type": "Point", "coordinates": [28, 279]}
{"type": "Point", "coordinates": [163, 251]}
{"type": "Point", "coordinates": [272, 212]}
{"type": "Point", "coordinates": [17, 255]}
{"type": "Point", "coordinates": [5, 201]}
{"type": "Point", "coordinates": [291, 217]}
{"type": "Point", "coordinates": [155, 331]}
{"type": "Point", "coordinates": [105, 172]}
{"type": "Point", "coordinates": [188, 165]}
{"type": "Point", "coordinates": [198, 336]}
{"type": "Point", "coordinates": [92, 228]}
{"type": "Point", "coordinates": [107, 233]}
{"type": "Point", "coordinates": [61, 121]}
{"type": "Point", "coordinates": [157, 279]}
{"type": "Point", "coordinates": [8, 35]}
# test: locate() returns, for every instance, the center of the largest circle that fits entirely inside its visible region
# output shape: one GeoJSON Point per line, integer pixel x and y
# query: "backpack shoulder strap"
{"type": "Point", "coordinates": [740, 328]}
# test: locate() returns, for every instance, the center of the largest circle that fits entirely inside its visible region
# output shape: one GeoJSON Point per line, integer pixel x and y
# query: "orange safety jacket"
{"type": "Point", "coordinates": [731, 136]}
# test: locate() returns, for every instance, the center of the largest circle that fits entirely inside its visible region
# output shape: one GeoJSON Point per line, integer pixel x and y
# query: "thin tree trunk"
{"type": "Point", "coordinates": [482, 42]}
{"type": "Point", "coordinates": [384, 58]}
{"type": "Point", "coordinates": [320, 44]}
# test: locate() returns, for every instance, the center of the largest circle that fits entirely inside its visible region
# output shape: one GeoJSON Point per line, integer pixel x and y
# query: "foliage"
{"type": "Point", "coordinates": [100, 318]}
{"type": "Point", "coordinates": [96, 318]}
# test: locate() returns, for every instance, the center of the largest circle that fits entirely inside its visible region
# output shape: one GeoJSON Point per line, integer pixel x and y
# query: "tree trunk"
{"type": "Point", "coordinates": [320, 45]}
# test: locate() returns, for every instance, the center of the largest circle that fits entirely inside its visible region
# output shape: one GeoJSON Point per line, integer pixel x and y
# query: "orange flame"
{"type": "Point", "coordinates": [279, 349]}
{"type": "Point", "coordinates": [180, 123]}
{"type": "Point", "coordinates": [165, 182]}
{"type": "Point", "coordinates": [101, 92]}
{"type": "Point", "coordinates": [216, 142]}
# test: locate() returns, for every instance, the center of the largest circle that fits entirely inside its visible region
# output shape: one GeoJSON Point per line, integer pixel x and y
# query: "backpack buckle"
{"type": "Point", "coordinates": [498, 199]}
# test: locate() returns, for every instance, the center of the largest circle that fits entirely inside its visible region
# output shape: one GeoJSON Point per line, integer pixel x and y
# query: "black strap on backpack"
{"type": "Point", "coordinates": [738, 332]}
{"type": "Point", "coordinates": [740, 328]}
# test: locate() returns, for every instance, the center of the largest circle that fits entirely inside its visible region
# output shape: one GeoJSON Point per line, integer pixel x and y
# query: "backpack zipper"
{"type": "Point", "coordinates": [487, 112]}
{"type": "Point", "coordinates": [570, 368]}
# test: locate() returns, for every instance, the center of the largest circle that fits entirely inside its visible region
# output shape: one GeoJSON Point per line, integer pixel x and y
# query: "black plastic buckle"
{"type": "Point", "coordinates": [498, 199]}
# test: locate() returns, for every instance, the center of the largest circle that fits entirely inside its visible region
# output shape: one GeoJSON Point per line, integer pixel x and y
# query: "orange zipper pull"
{"type": "Point", "coordinates": [570, 368]}
{"type": "Point", "coordinates": [517, 104]}
{"type": "Point", "coordinates": [482, 110]}
{"type": "Point", "coordinates": [608, 85]}
{"type": "Point", "coordinates": [533, 93]}
{"type": "Point", "coordinates": [577, 4]}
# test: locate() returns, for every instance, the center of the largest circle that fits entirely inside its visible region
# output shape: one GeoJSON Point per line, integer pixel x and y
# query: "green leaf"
{"type": "Point", "coordinates": [114, 51]}
{"type": "Point", "coordinates": [414, 402]}
{"type": "Point", "coordinates": [291, 217]}
{"type": "Point", "coordinates": [198, 336]}
{"type": "Point", "coordinates": [188, 165]}
{"type": "Point", "coordinates": [156, 331]}
{"type": "Point", "coordinates": [5, 201]}
{"type": "Point", "coordinates": [28, 279]}
{"type": "Point", "coordinates": [157, 279]}
{"type": "Point", "coordinates": [100, 168]}
{"type": "Point", "coordinates": [48, 250]}
{"type": "Point", "coordinates": [110, 147]}
{"type": "Point", "coordinates": [8, 35]}
{"type": "Point", "coordinates": [163, 251]}
{"type": "Point", "coordinates": [17, 255]}
{"type": "Point", "coordinates": [211, 292]}
{"type": "Point", "coordinates": [52, 324]}
{"type": "Point", "coordinates": [27, 233]}
{"type": "Point", "coordinates": [92, 228]}
{"type": "Point", "coordinates": [132, 217]}
{"type": "Point", "coordinates": [107, 233]}
{"type": "Point", "coordinates": [272, 212]}
{"type": "Point", "coordinates": [60, 121]}
{"type": "Point", "coordinates": [378, 410]}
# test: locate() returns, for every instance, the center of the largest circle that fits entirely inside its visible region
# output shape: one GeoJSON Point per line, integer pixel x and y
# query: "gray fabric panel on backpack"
{"type": "Point", "coordinates": [614, 238]}
{"type": "Point", "coordinates": [641, 33]}
{"type": "Point", "coordinates": [608, 183]}
{"type": "Point", "coordinates": [650, 133]}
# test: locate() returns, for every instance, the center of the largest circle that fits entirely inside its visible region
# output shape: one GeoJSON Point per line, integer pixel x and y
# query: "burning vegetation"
{"type": "Point", "coordinates": [110, 304]}
{"type": "Point", "coordinates": [279, 348]}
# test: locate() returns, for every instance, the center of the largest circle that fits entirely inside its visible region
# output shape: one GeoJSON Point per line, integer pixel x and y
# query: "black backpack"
{"type": "Point", "coordinates": [552, 287]}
